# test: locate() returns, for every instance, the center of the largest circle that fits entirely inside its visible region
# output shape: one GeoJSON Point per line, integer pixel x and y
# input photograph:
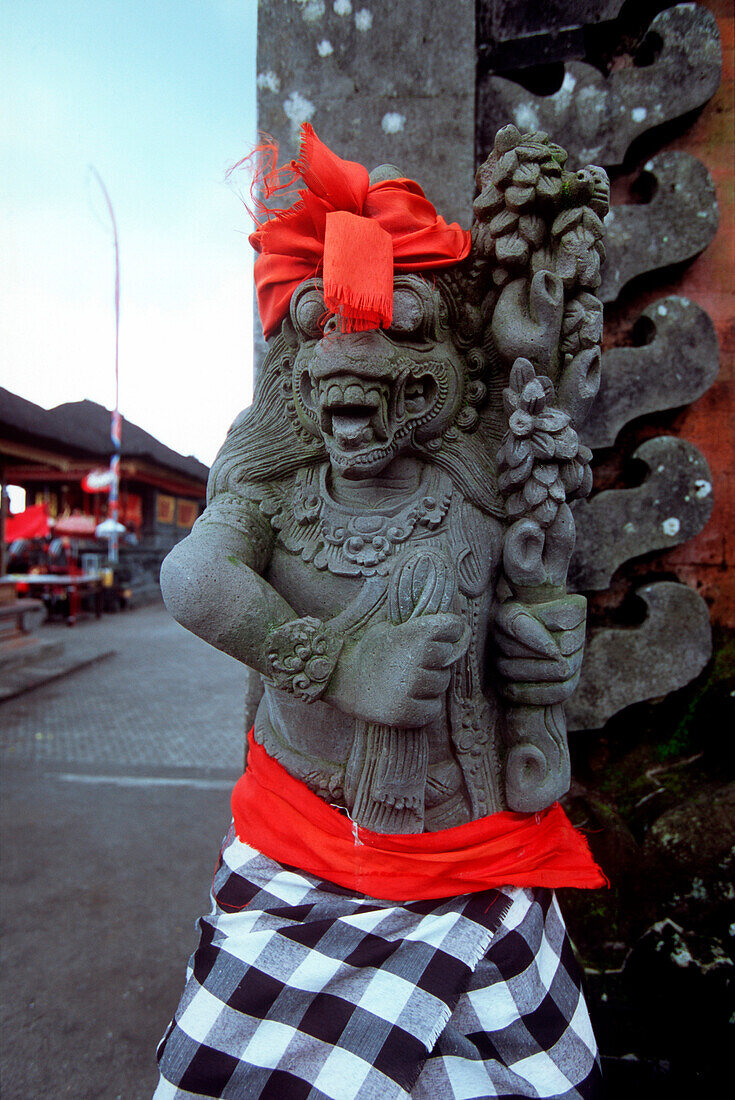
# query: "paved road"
{"type": "Point", "coordinates": [114, 797]}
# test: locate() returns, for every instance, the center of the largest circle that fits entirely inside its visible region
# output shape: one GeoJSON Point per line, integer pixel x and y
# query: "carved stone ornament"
{"type": "Point", "coordinates": [301, 657]}
{"type": "Point", "coordinates": [388, 530]}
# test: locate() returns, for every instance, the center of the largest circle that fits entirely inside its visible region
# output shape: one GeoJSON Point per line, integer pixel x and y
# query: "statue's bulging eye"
{"type": "Point", "coordinates": [409, 312]}
{"type": "Point", "coordinates": [308, 312]}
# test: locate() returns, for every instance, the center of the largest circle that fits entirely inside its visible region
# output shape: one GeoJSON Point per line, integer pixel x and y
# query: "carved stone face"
{"type": "Point", "coordinates": [371, 395]}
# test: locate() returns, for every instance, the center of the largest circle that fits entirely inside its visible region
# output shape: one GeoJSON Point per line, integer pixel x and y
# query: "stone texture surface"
{"type": "Point", "coordinates": [378, 84]}
{"type": "Point", "coordinates": [672, 505]}
{"type": "Point", "coordinates": [696, 835]}
{"type": "Point", "coordinates": [625, 665]}
{"type": "Point", "coordinates": [597, 118]}
{"type": "Point", "coordinates": [707, 562]}
{"type": "Point", "coordinates": [679, 222]}
{"type": "Point", "coordinates": [676, 365]}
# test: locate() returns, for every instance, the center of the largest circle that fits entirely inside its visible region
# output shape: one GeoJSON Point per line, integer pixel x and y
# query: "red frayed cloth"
{"type": "Point", "coordinates": [280, 817]}
{"type": "Point", "coordinates": [392, 228]}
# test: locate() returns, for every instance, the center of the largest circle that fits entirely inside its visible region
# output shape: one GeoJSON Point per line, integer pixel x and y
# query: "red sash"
{"type": "Point", "coordinates": [280, 817]}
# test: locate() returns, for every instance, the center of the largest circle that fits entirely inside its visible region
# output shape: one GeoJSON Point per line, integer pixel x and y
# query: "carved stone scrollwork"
{"type": "Point", "coordinates": [676, 366]}
{"type": "Point", "coordinates": [672, 505]}
{"type": "Point", "coordinates": [596, 117]}
{"type": "Point", "coordinates": [680, 220]}
{"type": "Point", "coordinates": [638, 663]}
{"type": "Point", "coordinates": [600, 117]}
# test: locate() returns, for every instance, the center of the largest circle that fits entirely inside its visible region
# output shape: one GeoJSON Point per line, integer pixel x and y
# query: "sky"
{"type": "Point", "coordinates": [160, 97]}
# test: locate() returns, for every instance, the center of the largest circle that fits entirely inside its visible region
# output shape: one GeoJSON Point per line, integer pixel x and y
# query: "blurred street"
{"type": "Point", "coordinates": [114, 796]}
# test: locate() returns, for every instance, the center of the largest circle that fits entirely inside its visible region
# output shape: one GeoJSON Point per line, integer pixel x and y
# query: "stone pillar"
{"type": "Point", "coordinates": [380, 82]}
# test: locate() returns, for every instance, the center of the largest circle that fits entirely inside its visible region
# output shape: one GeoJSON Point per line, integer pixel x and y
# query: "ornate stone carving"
{"type": "Point", "coordinates": [599, 117]}
{"type": "Point", "coordinates": [301, 657]}
{"type": "Point", "coordinates": [675, 69]}
{"type": "Point", "coordinates": [676, 362]}
{"type": "Point", "coordinates": [410, 490]}
{"type": "Point", "coordinates": [637, 663]}
{"type": "Point", "coordinates": [679, 221]}
{"type": "Point", "coordinates": [670, 506]}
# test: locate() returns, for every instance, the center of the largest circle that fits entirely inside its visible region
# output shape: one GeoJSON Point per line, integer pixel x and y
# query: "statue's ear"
{"type": "Point", "coordinates": [288, 333]}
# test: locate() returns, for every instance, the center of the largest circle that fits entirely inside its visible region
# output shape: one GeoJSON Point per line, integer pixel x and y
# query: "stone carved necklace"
{"type": "Point", "coordinates": [349, 542]}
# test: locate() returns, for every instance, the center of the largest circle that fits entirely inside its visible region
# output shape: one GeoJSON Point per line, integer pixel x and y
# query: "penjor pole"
{"type": "Point", "coordinates": [116, 423]}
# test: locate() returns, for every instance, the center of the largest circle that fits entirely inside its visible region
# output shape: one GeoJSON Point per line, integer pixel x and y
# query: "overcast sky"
{"type": "Point", "coordinates": [160, 96]}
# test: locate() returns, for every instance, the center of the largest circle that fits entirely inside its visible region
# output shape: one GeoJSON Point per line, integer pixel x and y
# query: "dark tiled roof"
{"type": "Point", "coordinates": [84, 427]}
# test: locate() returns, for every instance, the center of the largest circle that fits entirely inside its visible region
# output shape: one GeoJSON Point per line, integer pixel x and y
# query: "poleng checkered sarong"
{"type": "Point", "coordinates": [300, 988]}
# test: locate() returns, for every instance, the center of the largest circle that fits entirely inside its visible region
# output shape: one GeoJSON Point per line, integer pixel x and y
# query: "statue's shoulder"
{"type": "Point", "coordinates": [249, 509]}
{"type": "Point", "coordinates": [284, 510]}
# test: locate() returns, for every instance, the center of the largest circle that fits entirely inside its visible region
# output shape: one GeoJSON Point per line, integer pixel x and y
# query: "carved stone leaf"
{"type": "Point", "coordinates": [504, 169]}
{"type": "Point", "coordinates": [518, 198]}
{"type": "Point", "coordinates": [532, 229]}
{"type": "Point", "coordinates": [512, 248]}
{"type": "Point", "coordinates": [625, 665]}
{"type": "Point", "coordinates": [599, 117]}
{"type": "Point", "coordinates": [526, 175]}
{"type": "Point", "coordinates": [503, 222]}
{"type": "Point", "coordinates": [671, 506]}
{"type": "Point", "coordinates": [679, 221]}
{"type": "Point", "coordinates": [675, 368]}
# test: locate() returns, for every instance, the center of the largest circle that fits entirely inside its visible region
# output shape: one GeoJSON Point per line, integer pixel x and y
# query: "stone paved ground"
{"type": "Point", "coordinates": [165, 699]}
{"type": "Point", "coordinates": [114, 797]}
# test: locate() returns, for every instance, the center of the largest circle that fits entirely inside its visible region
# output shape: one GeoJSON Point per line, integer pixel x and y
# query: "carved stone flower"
{"type": "Point", "coordinates": [528, 165]}
{"type": "Point", "coordinates": [577, 245]}
{"type": "Point", "coordinates": [431, 511]}
{"type": "Point", "coordinates": [307, 504]}
{"type": "Point", "coordinates": [527, 169]}
{"type": "Point", "coordinates": [541, 462]}
{"type": "Point", "coordinates": [581, 325]}
{"type": "Point", "coordinates": [367, 550]}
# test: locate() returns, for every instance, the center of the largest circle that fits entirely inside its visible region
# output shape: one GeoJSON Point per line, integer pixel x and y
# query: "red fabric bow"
{"type": "Point", "coordinates": [355, 233]}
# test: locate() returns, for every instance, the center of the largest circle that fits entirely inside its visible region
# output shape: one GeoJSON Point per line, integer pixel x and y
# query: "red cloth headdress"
{"type": "Point", "coordinates": [354, 234]}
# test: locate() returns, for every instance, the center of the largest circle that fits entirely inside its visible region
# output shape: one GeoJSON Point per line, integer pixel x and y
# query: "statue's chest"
{"type": "Point", "coordinates": [325, 551]}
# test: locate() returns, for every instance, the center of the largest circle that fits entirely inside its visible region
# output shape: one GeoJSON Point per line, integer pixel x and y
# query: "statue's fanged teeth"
{"type": "Point", "coordinates": [353, 411]}
{"type": "Point", "coordinates": [335, 396]}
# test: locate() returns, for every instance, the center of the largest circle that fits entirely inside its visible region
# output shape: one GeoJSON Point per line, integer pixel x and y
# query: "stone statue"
{"type": "Point", "coordinates": [386, 541]}
{"type": "Point", "coordinates": [388, 527]}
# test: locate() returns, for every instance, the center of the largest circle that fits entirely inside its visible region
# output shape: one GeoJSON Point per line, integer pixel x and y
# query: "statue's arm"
{"type": "Point", "coordinates": [212, 584]}
{"type": "Point", "coordinates": [391, 673]}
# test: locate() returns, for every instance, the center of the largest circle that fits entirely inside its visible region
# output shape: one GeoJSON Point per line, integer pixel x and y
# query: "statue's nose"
{"type": "Point", "coordinates": [361, 353]}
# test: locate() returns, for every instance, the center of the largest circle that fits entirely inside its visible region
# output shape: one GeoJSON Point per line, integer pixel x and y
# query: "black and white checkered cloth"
{"type": "Point", "coordinates": [302, 989]}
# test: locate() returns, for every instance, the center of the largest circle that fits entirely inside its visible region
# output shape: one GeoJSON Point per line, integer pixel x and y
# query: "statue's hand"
{"type": "Point", "coordinates": [397, 674]}
{"type": "Point", "coordinates": [527, 320]}
{"type": "Point", "coordinates": [540, 648]}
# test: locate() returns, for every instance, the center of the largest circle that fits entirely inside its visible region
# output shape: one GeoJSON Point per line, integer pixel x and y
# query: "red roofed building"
{"type": "Point", "coordinates": [48, 452]}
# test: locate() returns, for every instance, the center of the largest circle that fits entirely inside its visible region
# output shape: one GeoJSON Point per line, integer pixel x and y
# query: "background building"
{"type": "Point", "coordinates": [49, 453]}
